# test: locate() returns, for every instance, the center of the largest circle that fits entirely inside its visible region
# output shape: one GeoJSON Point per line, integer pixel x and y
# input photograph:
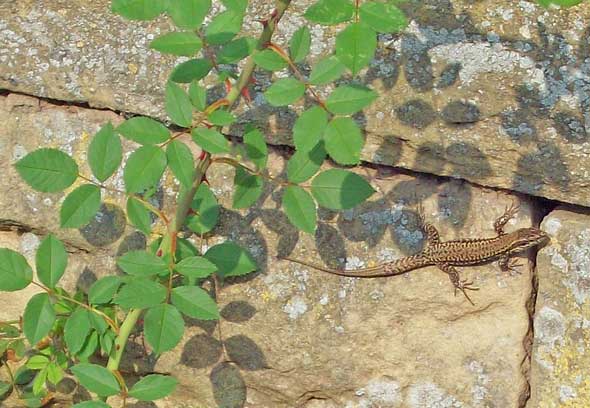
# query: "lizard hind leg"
{"type": "Point", "coordinates": [459, 284]}
{"type": "Point", "coordinates": [501, 222]}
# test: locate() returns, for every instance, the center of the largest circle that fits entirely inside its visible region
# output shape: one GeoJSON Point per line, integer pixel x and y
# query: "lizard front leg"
{"type": "Point", "coordinates": [508, 264]}
{"type": "Point", "coordinates": [462, 284]}
{"type": "Point", "coordinates": [432, 235]}
{"type": "Point", "coordinates": [501, 222]}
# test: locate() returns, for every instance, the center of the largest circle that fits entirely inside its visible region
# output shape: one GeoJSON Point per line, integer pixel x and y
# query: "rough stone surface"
{"type": "Point", "coordinates": [291, 336]}
{"type": "Point", "coordinates": [560, 361]}
{"type": "Point", "coordinates": [488, 92]}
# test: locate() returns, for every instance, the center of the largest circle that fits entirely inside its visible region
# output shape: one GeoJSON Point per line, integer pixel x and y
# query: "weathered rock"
{"type": "Point", "coordinates": [491, 93]}
{"type": "Point", "coordinates": [560, 362]}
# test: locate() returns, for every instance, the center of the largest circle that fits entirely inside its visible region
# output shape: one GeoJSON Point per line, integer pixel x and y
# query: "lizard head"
{"type": "Point", "coordinates": [525, 238]}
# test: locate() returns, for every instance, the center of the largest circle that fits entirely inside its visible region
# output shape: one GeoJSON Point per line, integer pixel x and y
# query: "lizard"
{"type": "Point", "coordinates": [447, 255]}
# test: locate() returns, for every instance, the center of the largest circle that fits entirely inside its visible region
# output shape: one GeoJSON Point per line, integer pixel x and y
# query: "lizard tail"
{"type": "Point", "coordinates": [396, 267]}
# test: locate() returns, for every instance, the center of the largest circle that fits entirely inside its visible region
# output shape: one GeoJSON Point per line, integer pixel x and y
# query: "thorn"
{"type": "Point", "coordinates": [159, 253]}
{"type": "Point", "coordinates": [227, 85]}
{"type": "Point", "coordinates": [246, 94]}
{"type": "Point", "coordinates": [264, 22]}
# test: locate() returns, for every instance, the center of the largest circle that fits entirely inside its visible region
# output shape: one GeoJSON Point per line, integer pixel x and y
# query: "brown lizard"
{"type": "Point", "coordinates": [446, 255]}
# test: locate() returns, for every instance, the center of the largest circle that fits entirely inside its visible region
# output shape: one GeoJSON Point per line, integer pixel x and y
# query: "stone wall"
{"type": "Point", "coordinates": [493, 94]}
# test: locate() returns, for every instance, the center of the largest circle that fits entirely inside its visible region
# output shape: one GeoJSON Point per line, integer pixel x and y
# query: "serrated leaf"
{"type": "Point", "coordinates": [103, 290]}
{"type": "Point", "coordinates": [284, 92]}
{"type": "Point", "coordinates": [304, 164]}
{"type": "Point", "coordinates": [309, 128]}
{"type": "Point", "coordinates": [237, 5]}
{"type": "Point", "coordinates": [230, 259]}
{"type": "Point", "coordinates": [80, 206]}
{"type": "Point", "coordinates": [38, 318]}
{"type": "Point", "coordinates": [163, 327]}
{"type": "Point", "coordinates": [153, 387]}
{"type": "Point", "coordinates": [269, 60]}
{"type": "Point", "coordinates": [337, 189]}
{"type": "Point", "coordinates": [206, 208]}
{"type": "Point", "coordinates": [210, 140]}
{"type": "Point", "coordinates": [181, 162]}
{"type": "Point", "coordinates": [39, 382]}
{"type": "Point", "coordinates": [221, 117]}
{"type": "Point", "coordinates": [51, 261]}
{"type": "Point", "coordinates": [383, 17]}
{"type": "Point", "coordinates": [224, 27]}
{"type": "Point", "coordinates": [47, 170]}
{"type": "Point", "coordinates": [300, 208]}
{"type": "Point", "coordinates": [248, 188]}
{"type": "Point", "coordinates": [191, 70]}
{"type": "Point", "coordinates": [105, 153]}
{"type": "Point", "coordinates": [188, 13]}
{"type": "Point", "coordinates": [37, 362]}
{"type": "Point", "coordinates": [139, 215]}
{"type": "Point", "coordinates": [195, 267]}
{"type": "Point", "coordinates": [178, 105]}
{"type": "Point", "coordinates": [326, 70]}
{"type": "Point", "coordinates": [256, 148]}
{"type": "Point", "coordinates": [138, 9]}
{"type": "Point", "coordinates": [142, 263]}
{"type": "Point", "coordinates": [355, 46]}
{"type": "Point", "coordinates": [198, 96]}
{"type": "Point", "coordinates": [181, 44]}
{"type": "Point", "coordinates": [98, 323]}
{"type": "Point", "coordinates": [344, 141]}
{"type": "Point", "coordinates": [91, 404]}
{"type": "Point", "coordinates": [96, 379]}
{"type": "Point", "coordinates": [90, 346]}
{"type": "Point", "coordinates": [144, 130]}
{"type": "Point", "coordinates": [4, 388]}
{"type": "Point", "coordinates": [76, 330]}
{"type": "Point", "coordinates": [15, 272]}
{"type": "Point", "coordinates": [144, 168]}
{"type": "Point", "coordinates": [195, 302]}
{"type": "Point", "coordinates": [140, 293]}
{"type": "Point", "coordinates": [236, 50]}
{"type": "Point", "coordinates": [349, 99]}
{"type": "Point", "coordinates": [299, 44]}
{"type": "Point", "coordinates": [330, 12]}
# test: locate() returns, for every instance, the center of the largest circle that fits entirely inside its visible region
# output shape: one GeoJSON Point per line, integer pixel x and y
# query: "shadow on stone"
{"type": "Point", "coordinates": [229, 388]}
{"type": "Point", "coordinates": [238, 311]}
{"type": "Point", "coordinates": [201, 351]}
{"type": "Point", "coordinates": [245, 353]}
{"type": "Point", "coordinates": [107, 226]}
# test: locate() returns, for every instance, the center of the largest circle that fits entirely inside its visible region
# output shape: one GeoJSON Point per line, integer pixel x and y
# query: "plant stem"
{"type": "Point", "coordinates": [121, 340]}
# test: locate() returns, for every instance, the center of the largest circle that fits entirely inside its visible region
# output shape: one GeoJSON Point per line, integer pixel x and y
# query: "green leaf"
{"type": "Point", "coordinates": [304, 164]}
{"type": "Point", "coordinates": [355, 46]}
{"type": "Point", "coordinates": [349, 99]}
{"type": "Point", "coordinates": [248, 188]}
{"type": "Point", "coordinates": [188, 13]}
{"type": "Point", "coordinates": [231, 259]}
{"type": "Point", "coordinates": [207, 211]}
{"type": "Point", "coordinates": [4, 388]}
{"type": "Point", "coordinates": [236, 50]}
{"type": "Point", "coordinates": [142, 263]}
{"type": "Point", "coordinates": [103, 290]}
{"type": "Point", "coordinates": [211, 140]}
{"type": "Point", "coordinates": [39, 382]}
{"type": "Point", "coordinates": [337, 189]}
{"type": "Point", "coordinates": [76, 330]}
{"type": "Point", "coordinates": [326, 70]}
{"type": "Point", "coordinates": [284, 92]}
{"type": "Point", "coordinates": [96, 379]}
{"type": "Point", "coordinates": [144, 168]}
{"type": "Point", "coordinates": [140, 293]}
{"type": "Point", "coordinates": [182, 44]}
{"type": "Point", "coordinates": [153, 387]}
{"type": "Point", "coordinates": [91, 404]}
{"type": "Point", "coordinates": [269, 60]}
{"type": "Point", "coordinates": [163, 327]}
{"type": "Point", "coordinates": [105, 153]}
{"type": "Point", "coordinates": [107, 341]}
{"type": "Point", "coordinates": [98, 323]}
{"type": "Point", "coordinates": [80, 206]}
{"type": "Point", "coordinates": [383, 17]}
{"type": "Point", "coordinates": [330, 12]}
{"type": "Point", "coordinates": [195, 302]}
{"type": "Point", "coordinates": [178, 105]}
{"type": "Point", "coordinates": [224, 27]}
{"type": "Point", "coordinates": [54, 373]}
{"type": "Point", "coordinates": [90, 346]}
{"type": "Point", "coordinates": [138, 9]}
{"type": "Point", "coordinates": [198, 96]}
{"type": "Point", "coordinates": [344, 141]}
{"type": "Point", "coordinates": [300, 209]}
{"type": "Point", "coordinates": [37, 362]}
{"type": "Point", "coordinates": [299, 45]}
{"type": "Point", "coordinates": [15, 272]}
{"type": "Point", "coordinates": [51, 261]}
{"type": "Point", "coordinates": [221, 117]}
{"type": "Point", "coordinates": [48, 170]}
{"type": "Point", "coordinates": [256, 148]}
{"type": "Point", "coordinates": [237, 5]}
{"type": "Point", "coordinates": [195, 267]}
{"type": "Point", "coordinates": [144, 130]}
{"type": "Point", "coordinates": [38, 318]}
{"type": "Point", "coordinates": [564, 3]}
{"type": "Point", "coordinates": [309, 128]}
{"type": "Point", "coordinates": [181, 162]}
{"type": "Point", "coordinates": [191, 70]}
{"type": "Point", "coordinates": [139, 215]}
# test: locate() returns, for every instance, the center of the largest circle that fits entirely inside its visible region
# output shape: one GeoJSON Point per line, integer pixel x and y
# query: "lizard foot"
{"type": "Point", "coordinates": [511, 265]}
{"type": "Point", "coordinates": [464, 286]}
